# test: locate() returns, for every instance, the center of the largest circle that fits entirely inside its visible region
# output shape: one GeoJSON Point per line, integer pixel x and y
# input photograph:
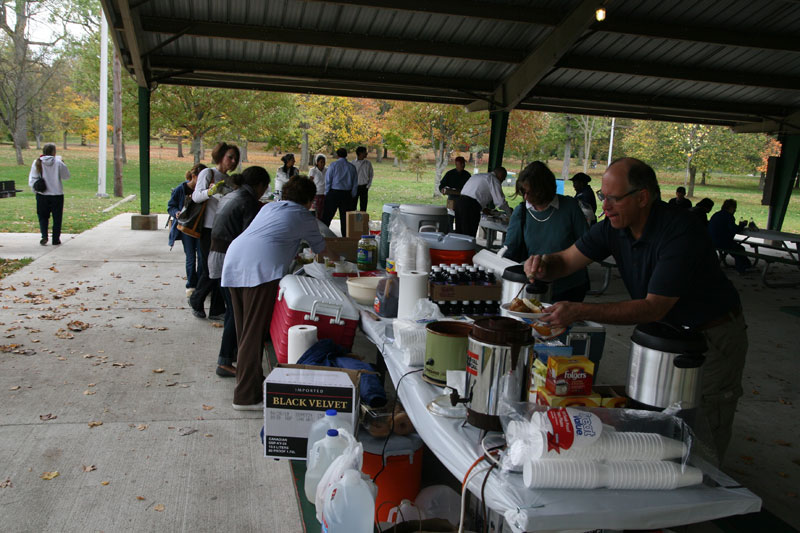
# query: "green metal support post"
{"type": "Point", "coordinates": [497, 140]}
{"type": "Point", "coordinates": [785, 174]}
{"type": "Point", "coordinates": [144, 148]}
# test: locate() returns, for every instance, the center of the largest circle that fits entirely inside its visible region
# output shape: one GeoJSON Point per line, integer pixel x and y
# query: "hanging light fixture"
{"type": "Point", "coordinates": [600, 14]}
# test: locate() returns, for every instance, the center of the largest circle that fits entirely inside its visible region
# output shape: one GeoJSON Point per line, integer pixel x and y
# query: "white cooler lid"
{"type": "Point", "coordinates": [302, 292]}
{"type": "Point", "coordinates": [388, 208]}
{"type": "Point", "coordinates": [451, 241]}
{"type": "Point", "coordinates": [423, 209]}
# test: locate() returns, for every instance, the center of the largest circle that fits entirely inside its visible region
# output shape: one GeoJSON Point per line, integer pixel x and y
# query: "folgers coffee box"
{"type": "Point", "coordinates": [543, 397]}
{"type": "Point", "coordinates": [569, 376]}
{"type": "Point", "coordinates": [295, 396]}
{"type": "Point", "coordinates": [611, 396]}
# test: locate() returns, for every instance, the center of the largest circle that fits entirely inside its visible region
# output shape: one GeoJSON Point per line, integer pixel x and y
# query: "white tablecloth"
{"type": "Point", "coordinates": [457, 446]}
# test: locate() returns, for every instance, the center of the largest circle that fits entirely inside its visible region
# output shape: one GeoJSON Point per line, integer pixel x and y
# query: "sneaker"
{"type": "Point", "coordinates": [217, 318]}
{"type": "Point", "coordinates": [43, 242]}
{"type": "Point", "coordinates": [189, 292]}
{"type": "Point", "coordinates": [254, 407]}
{"type": "Point", "coordinates": [199, 313]}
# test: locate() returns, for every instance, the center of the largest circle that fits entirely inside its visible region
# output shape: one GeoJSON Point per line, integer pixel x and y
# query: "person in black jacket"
{"type": "Point", "coordinates": [237, 211]}
{"type": "Point", "coordinates": [195, 262]}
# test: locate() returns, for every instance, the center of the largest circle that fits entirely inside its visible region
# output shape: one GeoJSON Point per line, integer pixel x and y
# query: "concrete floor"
{"type": "Point", "coordinates": [148, 385]}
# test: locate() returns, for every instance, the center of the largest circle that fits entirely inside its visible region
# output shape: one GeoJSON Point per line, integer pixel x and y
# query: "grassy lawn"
{"type": "Point", "coordinates": [9, 266]}
{"type": "Point", "coordinates": [83, 210]}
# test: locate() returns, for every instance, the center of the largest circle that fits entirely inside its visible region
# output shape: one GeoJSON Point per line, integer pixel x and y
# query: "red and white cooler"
{"type": "Point", "coordinates": [316, 302]}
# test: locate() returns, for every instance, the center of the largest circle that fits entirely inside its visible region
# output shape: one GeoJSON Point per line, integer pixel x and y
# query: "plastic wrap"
{"type": "Point", "coordinates": [458, 445]}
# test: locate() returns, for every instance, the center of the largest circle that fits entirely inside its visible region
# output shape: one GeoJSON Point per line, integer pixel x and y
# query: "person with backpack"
{"type": "Point", "coordinates": [195, 261]}
{"type": "Point", "coordinates": [47, 173]}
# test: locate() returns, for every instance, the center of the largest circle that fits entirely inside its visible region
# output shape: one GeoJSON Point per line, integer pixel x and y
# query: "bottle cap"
{"type": "Point", "coordinates": [330, 412]}
{"type": "Point", "coordinates": [333, 433]}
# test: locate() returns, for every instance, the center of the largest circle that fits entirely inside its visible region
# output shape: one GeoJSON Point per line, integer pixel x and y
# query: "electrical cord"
{"type": "Point", "coordinates": [464, 492]}
{"type": "Point", "coordinates": [391, 427]}
{"type": "Point", "coordinates": [483, 496]}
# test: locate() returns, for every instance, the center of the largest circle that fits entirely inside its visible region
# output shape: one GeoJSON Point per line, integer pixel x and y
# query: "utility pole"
{"type": "Point", "coordinates": [103, 131]}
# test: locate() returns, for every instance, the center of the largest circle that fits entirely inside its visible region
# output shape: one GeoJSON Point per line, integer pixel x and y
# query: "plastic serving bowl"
{"type": "Point", "coordinates": [362, 290]}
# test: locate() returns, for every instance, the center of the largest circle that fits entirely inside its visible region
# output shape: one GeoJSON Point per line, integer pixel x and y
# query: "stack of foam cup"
{"type": "Point", "coordinates": [409, 338]}
{"type": "Point", "coordinates": [622, 475]}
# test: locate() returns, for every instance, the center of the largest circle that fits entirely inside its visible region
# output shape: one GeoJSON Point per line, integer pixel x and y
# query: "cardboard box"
{"type": "Point", "coordinates": [570, 376]}
{"type": "Point", "coordinates": [611, 396]}
{"type": "Point", "coordinates": [341, 247]}
{"type": "Point", "coordinates": [295, 396]}
{"type": "Point", "coordinates": [450, 293]}
{"type": "Point", "coordinates": [543, 397]}
{"type": "Point", "coordinates": [357, 224]}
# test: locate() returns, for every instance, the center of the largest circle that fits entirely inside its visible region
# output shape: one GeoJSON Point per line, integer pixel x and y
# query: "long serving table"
{"type": "Point", "coordinates": [458, 445]}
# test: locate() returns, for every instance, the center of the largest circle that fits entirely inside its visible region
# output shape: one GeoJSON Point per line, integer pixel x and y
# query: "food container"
{"type": "Point", "coordinates": [423, 217]}
{"type": "Point", "coordinates": [362, 290]}
{"type": "Point", "coordinates": [445, 349]}
{"type": "Point", "coordinates": [665, 366]}
{"type": "Point", "coordinates": [450, 248]}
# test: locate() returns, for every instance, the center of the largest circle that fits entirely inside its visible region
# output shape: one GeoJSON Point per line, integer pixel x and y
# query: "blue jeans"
{"type": "Point", "coordinates": [194, 260]}
{"type": "Point", "coordinates": [228, 348]}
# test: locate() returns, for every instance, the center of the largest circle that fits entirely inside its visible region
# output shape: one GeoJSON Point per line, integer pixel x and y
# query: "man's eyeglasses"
{"type": "Point", "coordinates": [614, 199]}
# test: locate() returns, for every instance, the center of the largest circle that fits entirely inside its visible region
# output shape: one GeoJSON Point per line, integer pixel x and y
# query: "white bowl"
{"type": "Point", "coordinates": [362, 290]}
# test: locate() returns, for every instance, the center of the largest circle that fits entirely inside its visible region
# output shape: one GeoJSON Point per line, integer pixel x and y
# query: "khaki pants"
{"type": "Point", "coordinates": [252, 312]}
{"type": "Point", "coordinates": [722, 378]}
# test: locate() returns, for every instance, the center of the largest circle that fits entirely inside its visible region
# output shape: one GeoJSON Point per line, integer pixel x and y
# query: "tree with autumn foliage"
{"type": "Point", "coordinates": [526, 132]}
{"type": "Point", "coordinates": [76, 114]}
{"type": "Point", "coordinates": [439, 127]}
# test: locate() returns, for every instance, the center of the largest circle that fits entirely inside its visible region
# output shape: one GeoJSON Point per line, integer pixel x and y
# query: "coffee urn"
{"type": "Point", "coordinates": [514, 279]}
{"type": "Point", "coordinates": [665, 366]}
{"type": "Point", "coordinates": [498, 354]}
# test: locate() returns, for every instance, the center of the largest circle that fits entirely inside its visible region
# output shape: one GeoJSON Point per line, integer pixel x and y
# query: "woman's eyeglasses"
{"type": "Point", "coordinates": [614, 199]}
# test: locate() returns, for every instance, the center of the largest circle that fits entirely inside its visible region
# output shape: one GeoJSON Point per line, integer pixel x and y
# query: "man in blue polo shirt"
{"type": "Point", "coordinates": [670, 268]}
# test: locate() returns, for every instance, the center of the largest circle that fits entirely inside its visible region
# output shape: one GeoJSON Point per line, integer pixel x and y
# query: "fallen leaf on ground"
{"type": "Point", "coordinates": [209, 435]}
{"type": "Point", "coordinates": [784, 401]}
{"type": "Point", "coordinates": [783, 474]}
{"type": "Point", "coordinates": [747, 459]}
{"type": "Point", "coordinates": [140, 498]}
{"type": "Point", "coordinates": [162, 328]}
{"type": "Point", "coordinates": [6, 484]}
{"type": "Point", "coordinates": [94, 424]}
{"type": "Point", "coordinates": [48, 416]}
{"type": "Point", "coordinates": [158, 370]}
{"type": "Point", "coordinates": [91, 384]}
{"type": "Point", "coordinates": [217, 325]}
{"type": "Point", "coordinates": [186, 431]}
{"type": "Point", "coordinates": [780, 442]}
{"type": "Point", "coordinates": [171, 384]}
{"type": "Point", "coordinates": [7, 348]}
{"type": "Point", "coordinates": [750, 439]}
{"type": "Point", "coordinates": [89, 468]}
{"type": "Point", "coordinates": [64, 334]}
{"type": "Point", "coordinates": [159, 508]}
{"type": "Point", "coordinates": [207, 407]}
{"type": "Point", "coordinates": [77, 325]}
{"type": "Point", "coordinates": [122, 365]}
{"type": "Point", "coordinates": [104, 483]}
{"type": "Point", "coordinates": [16, 387]}
{"type": "Point", "coordinates": [53, 268]}
{"type": "Point", "coordinates": [89, 392]}
{"type": "Point", "coordinates": [146, 310]}
{"type": "Point", "coordinates": [49, 475]}
{"type": "Point", "coordinates": [142, 427]}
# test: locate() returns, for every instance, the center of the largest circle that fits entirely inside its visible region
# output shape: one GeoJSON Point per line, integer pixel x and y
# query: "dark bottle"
{"type": "Point", "coordinates": [444, 307]}
{"type": "Point", "coordinates": [490, 278]}
{"type": "Point", "coordinates": [456, 308]}
{"type": "Point", "coordinates": [478, 308]}
{"type": "Point", "coordinates": [466, 308]}
{"type": "Point", "coordinates": [482, 274]}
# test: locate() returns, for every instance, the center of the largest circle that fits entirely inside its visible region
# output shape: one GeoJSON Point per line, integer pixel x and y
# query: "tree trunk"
{"type": "Point", "coordinates": [582, 157]}
{"type": "Point", "coordinates": [124, 154]}
{"type": "Point", "coordinates": [65, 140]}
{"type": "Point", "coordinates": [378, 154]}
{"type": "Point", "coordinates": [196, 142]}
{"type": "Point", "coordinates": [471, 157]}
{"type": "Point", "coordinates": [385, 152]}
{"type": "Point", "coordinates": [243, 150]}
{"type": "Point", "coordinates": [38, 141]}
{"type": "Point", "coordinates": [692, 174]}
{"type": "Point", "coordinates": [305, 153]}
{"type": "Point", "coordinates": [703, 177]}
{"type": "Point", "coordinates": [396, 162]}
{"type": "Point", "coordinates": [18, 151]}
{"type": "Point", "coordinates": [202, 148]}
{"type": "Point", "coordinates": [83, 139]}
{"type": "Point", "coordinates": [761, 181]}
{"type": "Point", "coordinates": [567, 151]}
{"type": "Point", "coordinates": [180, 145]}
{"type": "Point", "coordinates": [117, 124]}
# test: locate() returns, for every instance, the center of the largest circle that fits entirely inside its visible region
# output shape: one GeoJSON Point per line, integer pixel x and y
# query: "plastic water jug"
{"type": "Point", "coordinates": [349, 505]}
{"type": "Point", "coordinates": [406, 512]}
{"type": "Point", "coordinates": [320, 428]}
{"type": "Point", "coordinates": [322, 455]}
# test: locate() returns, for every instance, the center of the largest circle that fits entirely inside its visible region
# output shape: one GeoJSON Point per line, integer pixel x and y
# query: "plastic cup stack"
{"type": "Point", "coordinates": [538, 474]}
{"type": "Point", "coordinates": [651, 475]}
{"type": "Point", "coordinates": [632, 446]}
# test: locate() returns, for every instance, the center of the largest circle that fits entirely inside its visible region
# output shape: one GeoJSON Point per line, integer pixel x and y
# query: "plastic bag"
{"type": "Point", "coordinates": [351, 459]}
{"type": "Point", "coordinates": [426, 311]}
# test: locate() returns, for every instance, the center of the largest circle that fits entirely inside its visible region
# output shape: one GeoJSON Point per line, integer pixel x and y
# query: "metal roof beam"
{"type": "Point", "coordinates": [461, 8]}
{"type": "Point", "coordinates": [666, 71]}
{"type": "Point", "coordinates": [700, 34]}
{"type": "Point", "coordinates": [132, 29]}
{"type": "Point", "coordinates": [638, 113]}
{"type": "Point", "coordinates": [735, 111]}
{"type": "Point", "coordinates": [788, 124]}
{"type": "Point", "coordinates": [326, 39]}
{"type": "Point", "coordinates": [536, 66]}
{"type": "Point", "coordinates": [267, 70]}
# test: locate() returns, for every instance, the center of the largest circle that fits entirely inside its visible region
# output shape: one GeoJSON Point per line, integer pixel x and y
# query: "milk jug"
{"type": "Point", "coordinates": [322, 455]}
{"type": "Point", "coordinates": [349, 505]}
{"type": "Point", "coordinates": [320, 428]}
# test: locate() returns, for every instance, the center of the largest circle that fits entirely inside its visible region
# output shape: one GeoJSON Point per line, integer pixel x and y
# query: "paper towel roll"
{"type": "Point", "coordinates": [423, 256]}
{"type": "Point", "coordinates": [413, 286]}
{"type": "Point", "coordinates": [301, 338]}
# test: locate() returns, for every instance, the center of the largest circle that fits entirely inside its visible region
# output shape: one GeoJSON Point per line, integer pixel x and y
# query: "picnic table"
{"type": "Point", "coordinates": [768, 246]}
{"type": "Point", "coordinates": [492, 226]}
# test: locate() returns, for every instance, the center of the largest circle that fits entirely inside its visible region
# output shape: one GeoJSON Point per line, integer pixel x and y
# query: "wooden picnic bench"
{"type": "Point", "coordinates": [767, 259]}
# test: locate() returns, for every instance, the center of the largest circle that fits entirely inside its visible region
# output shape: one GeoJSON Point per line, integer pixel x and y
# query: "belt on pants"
{"type": "Point", "coordinates": [724, 319]}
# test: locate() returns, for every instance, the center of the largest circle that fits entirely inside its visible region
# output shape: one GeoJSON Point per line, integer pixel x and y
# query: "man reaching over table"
{"type": "Point", "coordinates": [672, 273]}
{"type": "Point", "coordinates": [480, 191]}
